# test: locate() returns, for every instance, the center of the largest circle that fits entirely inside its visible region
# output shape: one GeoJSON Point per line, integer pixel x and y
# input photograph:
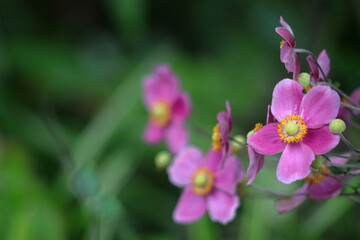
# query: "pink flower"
{"type": "Point", "coordinates": [207, 185]}
{"type": "Point", "coordinates": [222, 129]}
{"type": "Point", "coordinates": [318, 186]}
{"type": "Point", "coordinates": [302, 129]}
{"type": "Point", "coordinates": [288, 56]}
{"type": "Point", "coordinates": [324, 62]}
{"type": "Point", "coordinates": [168, 109]}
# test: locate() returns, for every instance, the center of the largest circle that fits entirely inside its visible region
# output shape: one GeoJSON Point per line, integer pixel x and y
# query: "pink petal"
{"type": "Point", "coordinates": [190, 207]}
{"type": "Point", "coordinates": [314, 75]}
{"type": "Point", "coordinates": [321, 140]}
{"type": "Point", "coordinates": [213, 159]}
{"type": "Point", "coordinates": [287, 96]}
{"type": "Point", "coordinates": [181, 108]}
{"type": "Point", "coordinates": [319, 106]}
{"type": "Point", "coordinates": [329, 187]}
{"type": "Point", "coordinates": [176, 137]}
{"type": "Point", "coordinates": [341, 160]}
{"type": "Point", "coordinates": [266, 140]}
{"type": "Point", "coordinates": [294, 162]}
{"type": "Point", "coordinates": [286, 32]}
{"type": "Point", "coordinates": [256, 163]}
{"type": "Point", "coordinates": [285, 204]}
{"type": "Point", "coordinates": [324, 62]}
{"type": "Point", "coordinates": [161, 85]}
{"type": "Point", "coordinates": [227, 177]}
{"type": "Point", "coordinates": [184, 165]}
{"type": "Point", "coordinates": [153, 133]}
{"type": "Point", "coordinates": [222, 206]}
{"type": "Point", "coordinates": [269, 117]}
{"type": "Point", "coordinates": [296, 71]}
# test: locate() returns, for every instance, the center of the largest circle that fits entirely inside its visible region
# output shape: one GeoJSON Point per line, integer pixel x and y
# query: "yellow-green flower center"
{"type": "Point", "coordinates": [202, 181]}
{"type": "Point", "coordinates": [160, 113]}
{"type": "Point", "coordinates": [291, 128]}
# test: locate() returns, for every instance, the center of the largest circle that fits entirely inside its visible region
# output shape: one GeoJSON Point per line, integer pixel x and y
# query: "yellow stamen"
{"type": "Point", "coordinates": [292, 129]}
{"type": "Point", "coordinates": [257, 127]}
{"type": "Point", "coordinates": [160, 113]}
{"type": "Point", "coordinates": [202, 181]}
{"type": "Point", "coordinates": [307, 89]}
{"type": "Point", "coordinates": [281, 43]}
{"type": "Point", "coordinates": [216, 138]}
{"type": "Point", "coordinates": [345, 100]}
{"type": "Point", "coordinates": [317, 177]}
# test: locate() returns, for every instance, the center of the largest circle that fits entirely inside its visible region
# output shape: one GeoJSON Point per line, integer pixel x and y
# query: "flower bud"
{"type": "Point", "coordinates": [238, 144]}
{"type": "Point", "coordinates": [337, 126]}
{"type": "Point", "coordinates": [250, 133]}
{"type": "Point", "coordinates": [162, 159]}
{"type": "Point", "coordinates": [317, 163]}
{"type": "Point", "coordinates": [304, 79]}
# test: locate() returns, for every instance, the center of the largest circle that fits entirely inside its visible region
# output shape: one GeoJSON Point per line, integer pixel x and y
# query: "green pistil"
{"type": "Point", "coordinates": [291, 129]}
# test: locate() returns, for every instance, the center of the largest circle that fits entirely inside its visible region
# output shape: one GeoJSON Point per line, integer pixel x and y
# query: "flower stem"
{"type": "Point", "coordinates": [349, 144]}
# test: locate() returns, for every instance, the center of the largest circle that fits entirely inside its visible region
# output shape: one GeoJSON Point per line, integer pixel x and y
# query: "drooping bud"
{"type": "Point", "coordinates": [317, 163]}
{"type": "Point", "coordinates": [238, 144]}
{"type": "Point", "coordinates": [337, 126]}
{"type": "Point", "coordinates": [304, 79]}
{"type": "Point", "coordinates": [162, 159]}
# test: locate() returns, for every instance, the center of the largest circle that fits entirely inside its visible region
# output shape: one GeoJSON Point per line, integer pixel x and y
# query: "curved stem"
{"type": "Point", "coordinates": [350, 106]}
{"type": "Point", "coordinates": [349, 144]}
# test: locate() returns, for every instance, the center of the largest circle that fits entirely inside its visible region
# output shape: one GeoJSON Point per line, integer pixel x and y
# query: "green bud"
{"type": "Point", "coordinates": [304, 79]}
{"type": "Point", "coordinates": [238, 144]}
{"type": "Point", "coordinates": [162, 159]}
{"type": "Point", "coordinates": [337, 126]}
{"type": "Point", "coordinates": [317, 163]}
{"type": "Point", "coordinates": [250, 133]}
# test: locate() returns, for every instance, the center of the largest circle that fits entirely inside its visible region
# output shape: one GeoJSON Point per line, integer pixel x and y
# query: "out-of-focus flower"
{"type": "Point", "coordinates": [288, 56]}
{"type": "Point", "coordinates": [324, 62]}
{"type": "Point", "coordinates": [319, 185]}
{"type": "Point", "coordinates": [168, 109]}
{"type": "Point", "coordinates": [220, 137]}
{"type": "Point", "coordinates": [302, 130]}
{"type": "Point", "coordinates": [208, 185]}
{"type": "Point", "coordinates": [344, 113]}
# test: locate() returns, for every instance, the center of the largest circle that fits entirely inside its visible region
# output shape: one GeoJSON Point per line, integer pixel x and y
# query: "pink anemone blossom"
{"type": "Point", "coordinates": [220, 137]}
{"type": "Point", "coordinates": [168, 109]}
{"type": "Point", "coordinates": [318, 186]}
{"type": "Point", "coordinates": [207, 185]}
{"type": "Point", "coordinates": [302, 129]}
{"type": "Point", "coordinates": [288, 56]}
{"type": "Point", "coordinates": [324, 62]}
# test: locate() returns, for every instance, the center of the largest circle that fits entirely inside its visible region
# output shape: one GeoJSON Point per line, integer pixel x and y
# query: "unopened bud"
{"type": "Point", "coordinates": [317, 163]}
{"type": "Point", "coordinates": [304, 79]}
{"type": "Point", "coordinates": [238, 144]}
{"type": "Point", "coordinates": [250, 133]}
{"type": "Point", "coordinates": [337, 126]}
{"type": "Point", "coordinates": [162, 159]}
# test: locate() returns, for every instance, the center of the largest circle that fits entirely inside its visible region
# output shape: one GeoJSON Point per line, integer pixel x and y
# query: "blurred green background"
{"type": "Point", "coordinates": [72, 162]}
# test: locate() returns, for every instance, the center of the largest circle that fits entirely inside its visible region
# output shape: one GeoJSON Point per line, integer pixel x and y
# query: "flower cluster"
{"type": "Point", "coordinates": [305, 122]}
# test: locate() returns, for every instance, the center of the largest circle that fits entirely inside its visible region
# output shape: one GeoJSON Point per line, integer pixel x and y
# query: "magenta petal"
{"type": "Point", "coordinates": [329, 187]}
{"type": "Point", "coordinates": [213, 159]}
{"type": "Point", "coordinates": [285, 34]}
{"type": "Point", "coordinates": [227, 177]}
{"type": "Point", "coordinates": [190, 207]}
{"type": "Point", "coordinates": [153, 133]}
{"type": "Point", "coordinates": [181, 108]}
{"type": "Point", "coordinates": [266, 140]}
{"type": "Point", "coordinates": [176, 137]}
{"type": "Point", "coordinates": [256, 163]}
{"type": "Point", "coordinates": [324, 62]}
{"type": "Point", "coordinates": [222, 206]}
{"type": "Point", "coordinates": [287, 96]}
{"type": "Point", "coordinates": [319, 106]}
{"type": "Point", "coordinates": [184, 165]}
{"type": "Point", "coordinates": [294, 162]}
{"type": "Point", "coordinates": [285, 204]}
{"type": "Point", "coordinates": [321, 140]}
{"type": "Point", "coordinates": [341, 160]}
